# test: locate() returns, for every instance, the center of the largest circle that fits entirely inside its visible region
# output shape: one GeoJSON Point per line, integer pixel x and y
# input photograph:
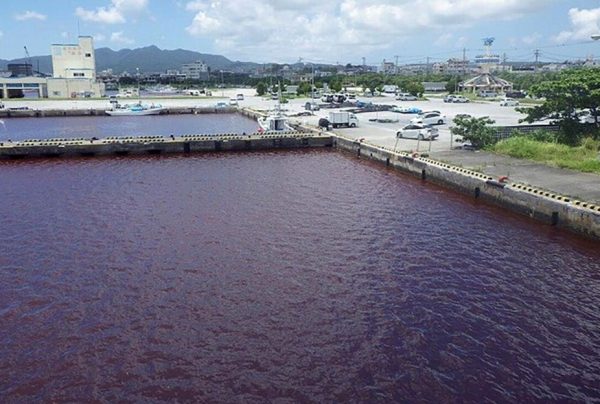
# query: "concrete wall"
{"type": "Point", "coordinates": [160, 145]}
{"type": "Point", "coordinates": [557, 210]}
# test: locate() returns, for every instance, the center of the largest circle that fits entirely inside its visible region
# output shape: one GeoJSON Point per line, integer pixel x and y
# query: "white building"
{"type": "Point", "coordinates": [74, 70]}
{"type": "Point", "coordinates": [74, 74]}
{"type": "Point", "coordinates": [197, 70]}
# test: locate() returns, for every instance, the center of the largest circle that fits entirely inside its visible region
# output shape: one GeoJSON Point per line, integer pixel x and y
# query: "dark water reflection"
{"type": "Point", "coordinates": [283, 277]}
{"type": "Point", "coordinates": [103, 126]}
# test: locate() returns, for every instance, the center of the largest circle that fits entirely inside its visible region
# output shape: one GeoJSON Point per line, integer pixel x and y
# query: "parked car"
{"type": "Point", "coordinates": [587, 117]}
{"type": "Point", "coordinates": [418, 131]}
{"type": "Point", "coordinates": [406, 97]}
{"type": "Point", "coordinates": [233, 101]}
{"type": "Point", "coordinates": [327, 98]}
{"type": "Point", "coordinates": [311, 106]}
{"type": "Point", "coordinates": [487, 94]}
{"type": "Point", "coordinates": [456, 98]}
{"type": "Point", "coordinates": [407, 110]}
{"type": "Point", "coordinates": [516, 94]}
{"type": "Point", "coordinates": [240, 97]}
{"type": "Point", "coordinates": [449, 98]}
{"type": "Point", "coordinates": [509, 102]}
{"type": "Point", "coordinates": [429, 118]}
{"type": "Point", "coordinates": [221, 105]}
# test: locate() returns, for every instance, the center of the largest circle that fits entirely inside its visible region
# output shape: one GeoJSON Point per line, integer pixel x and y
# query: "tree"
{"type": "Point", "coordinates": [304, 88]}
{"type": "Point", "coordinates": [475, 130]}
{"type": "Point", "coordinates": [565, 99]}
{"type": "Point", "coordinates": [261, 88]}
{"type": "Point", "coordinates": [335, 86]}
{"type": "Point", "coordinates": [415, 88]}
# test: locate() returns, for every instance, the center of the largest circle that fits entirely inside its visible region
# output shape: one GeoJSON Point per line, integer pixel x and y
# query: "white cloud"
{"type": "Point", "coordinates": [1, 34]}
{"type": "Point", "coordinates": [584, 23]}
{"type": "Point", "coordinates": [120, 38]}
{"type": "Point", "coordinates": [115, 13]}
{"type": "Point", "coordinates": [531, 39]}
{"type": "Point", "coordinates": [99, 38]}
{"type": "Point", "coordinates": [30, 15]}
{"type": "Point", "coordinates": [325, 30]}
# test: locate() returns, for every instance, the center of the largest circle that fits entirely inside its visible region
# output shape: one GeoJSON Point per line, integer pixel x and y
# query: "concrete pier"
{"type": "Point", "coordinates": [43, 113]}
{"type": "Point", "coordinates": [161, 145]}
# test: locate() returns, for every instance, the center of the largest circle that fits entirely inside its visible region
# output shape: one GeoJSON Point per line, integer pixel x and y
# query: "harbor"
{"type": "Point", "coordinates": [241, 209]}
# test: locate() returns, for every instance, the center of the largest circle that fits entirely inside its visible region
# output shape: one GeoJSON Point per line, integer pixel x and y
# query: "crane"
{"type": "Point", "coordinates": [30, 62]}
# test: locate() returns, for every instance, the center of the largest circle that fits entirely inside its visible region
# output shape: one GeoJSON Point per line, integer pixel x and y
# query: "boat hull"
{"type": "Point", "coordinates": [153, 111]}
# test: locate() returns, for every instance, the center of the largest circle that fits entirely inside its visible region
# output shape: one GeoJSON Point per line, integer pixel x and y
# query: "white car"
{"type": "Point", "coordinates": [587, 117]}
{"type": "Point", "coordinates": [429, 118]}
{"type": "Point", "coordinates": [233, 101]}
{"type": "Point", "coordinates": [509, 102]}
{"type": "Point", "coordinates": [418, 131]}
{"type": "Point", "coordinates": [406, 97]}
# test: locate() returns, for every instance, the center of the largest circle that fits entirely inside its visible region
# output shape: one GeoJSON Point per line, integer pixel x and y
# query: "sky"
{"type": "Point", "coordinates": [318, 31]}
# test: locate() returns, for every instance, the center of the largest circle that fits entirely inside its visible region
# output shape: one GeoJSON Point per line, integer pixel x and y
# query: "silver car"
{"type": "Point", "coordinates": [418, 131]}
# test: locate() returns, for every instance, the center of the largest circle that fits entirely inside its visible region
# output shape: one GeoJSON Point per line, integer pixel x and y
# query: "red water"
{"type": "Point", "coordinates": [282, 277]}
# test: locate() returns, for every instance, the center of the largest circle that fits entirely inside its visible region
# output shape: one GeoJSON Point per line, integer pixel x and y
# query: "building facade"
{"type": "Point", "coordinates": [197, 70]}
{"type": "Point", "coordinates": [74, 70]}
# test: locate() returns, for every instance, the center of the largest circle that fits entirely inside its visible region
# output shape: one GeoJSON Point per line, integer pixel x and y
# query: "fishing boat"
{"type": "Point", "coordinates": [275, 121]}
{"type": "Point", "coordinates": [138, 109]}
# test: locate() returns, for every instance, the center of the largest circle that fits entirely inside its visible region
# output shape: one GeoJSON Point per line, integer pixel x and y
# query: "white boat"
{"type": "Point", "coordinates": [138, 109]}
{"type": "Point", "coordinates": [276, 121]}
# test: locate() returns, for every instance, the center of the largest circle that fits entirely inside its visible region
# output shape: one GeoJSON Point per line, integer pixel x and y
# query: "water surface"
{"type": "Point", "coordinates": [103, 126]}
{"type": "Point", "coordinates": [284, 277]}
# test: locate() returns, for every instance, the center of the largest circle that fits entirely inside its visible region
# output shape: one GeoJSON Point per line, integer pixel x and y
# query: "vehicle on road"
{"type": "Point", "coordinates": [233, 101]}
{"type": "Point", "coordinates": [509, 102]}
{"type": "Point", "coordinates": [417, 131]}
{"type": "Point", "coordinates": [240, 97]}
{"type": "Point", "coordinates": [343, 118]}
{"type": "Point", "coordinates": [407, 110]}
{"type": "Point", "coordinates": [221, 105]}
{"type": "Point", "coordinates": [456, 98]}
{"type": "Point", "coordinates": [429, 118]}
{"type": "Point", "coordinates": [406, 97]}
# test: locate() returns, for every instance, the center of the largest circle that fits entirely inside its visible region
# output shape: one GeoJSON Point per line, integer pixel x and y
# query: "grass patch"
{"type": "Point", "coordinates": [581, 158]}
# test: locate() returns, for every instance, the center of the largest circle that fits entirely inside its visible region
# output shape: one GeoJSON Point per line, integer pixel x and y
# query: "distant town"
{"type": "Point", "coordinates": [73, 72]}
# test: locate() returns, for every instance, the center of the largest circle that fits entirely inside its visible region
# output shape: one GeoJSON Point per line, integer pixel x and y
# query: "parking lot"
{"type": "Point", "coordinates": [384, 134]}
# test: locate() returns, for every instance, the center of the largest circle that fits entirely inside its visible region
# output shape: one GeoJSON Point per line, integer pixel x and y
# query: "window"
{"type": "Point", "coordinates": [88, 55]}
{"type": "Point", "coordinates": [78, 74]}
{"type": "Point", "coordinates": [56, 93]}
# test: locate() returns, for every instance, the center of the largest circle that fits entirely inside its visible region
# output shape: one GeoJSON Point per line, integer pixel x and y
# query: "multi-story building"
{"type": "Point", "coordinates": [74, 74]}
{"type": "Point", "coordinates": [197, 70]}
{"type": "Point", "coordinates": [74, 70]}
{"type": "Point", "coordinates": [457, 66]}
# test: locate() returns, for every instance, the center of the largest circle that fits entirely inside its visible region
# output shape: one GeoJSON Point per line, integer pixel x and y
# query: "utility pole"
{"type": "Point", "coordinates": [427, 70]}
{"type": "Point", "coordinates": [537, 58]}
{"type": "Point", "coordinates": [396, 56]}
{"type": "Point", "coordinates": [464, 63]}
{"type": "Point", "coordinates": [364, 65]}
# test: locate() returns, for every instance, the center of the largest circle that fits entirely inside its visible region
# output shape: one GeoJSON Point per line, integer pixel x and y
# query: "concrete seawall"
{"type": "Point", "coordinates": [161, 145]}
{"type": "Point", "coordinates": [556, 210]}
{"type": "Point", "coordinates": [44, 113]}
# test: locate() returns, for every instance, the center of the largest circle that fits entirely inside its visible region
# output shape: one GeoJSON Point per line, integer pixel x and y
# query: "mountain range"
{"type": "Point", "coordinates": [147, 59]}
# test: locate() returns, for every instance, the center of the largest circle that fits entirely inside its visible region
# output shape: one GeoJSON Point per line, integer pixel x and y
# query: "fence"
{"type": "Point", "coordinates": [504, 132]}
